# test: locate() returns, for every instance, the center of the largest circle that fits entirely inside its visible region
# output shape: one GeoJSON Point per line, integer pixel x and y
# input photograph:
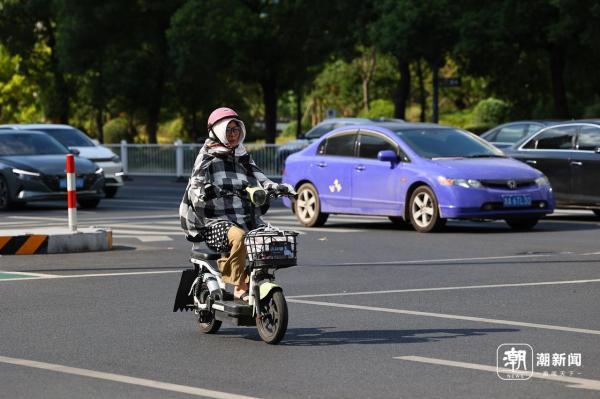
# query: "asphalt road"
{"type": "Point", "coordinates": [375, 311]}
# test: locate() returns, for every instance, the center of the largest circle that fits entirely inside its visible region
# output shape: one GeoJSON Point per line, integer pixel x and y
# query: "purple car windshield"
{"type": "Point", "coordinates": [447, 143]}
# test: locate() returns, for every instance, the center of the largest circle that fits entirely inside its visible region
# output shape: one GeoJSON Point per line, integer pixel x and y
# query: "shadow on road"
{"type": "Point", "coordinates": [323, 337]}
{"type": "Point", "coordinates": [320, 337]}
{"type": "Point", "coordinates": [467, 227]}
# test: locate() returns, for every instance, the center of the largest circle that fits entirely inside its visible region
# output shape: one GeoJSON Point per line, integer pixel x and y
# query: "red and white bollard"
{"type": "Point", "coordinates": [71, 192]}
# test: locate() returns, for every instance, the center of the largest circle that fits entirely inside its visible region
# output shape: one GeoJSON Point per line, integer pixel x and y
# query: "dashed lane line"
{"type": "Point", "coordinates": [466, 287]}
{"type": "Point", "coordinates": [446, 316]}
{"type": "Point", "coordinates": [57, 219]}
{"type": "Point", "coordinates": [144, 238]}
{"type": "Point", "coordinates": [572, 382]}
{"type": "Point", "coordinates": [35, 276]}
{"type": "Point", "coordinates": [165, 386]}
{"type": "Point", "coordinates": [106, 218]}
{"type": "Point", "coordinates": [411, 262]}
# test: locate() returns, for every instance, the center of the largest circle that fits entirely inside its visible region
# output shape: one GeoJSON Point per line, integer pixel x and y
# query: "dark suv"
{"type": "Point", "coordinates": [569, 155]}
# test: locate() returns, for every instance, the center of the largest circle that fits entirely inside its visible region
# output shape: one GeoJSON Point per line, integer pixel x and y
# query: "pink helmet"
{"type": "Point", "coordinates": [220, 113]}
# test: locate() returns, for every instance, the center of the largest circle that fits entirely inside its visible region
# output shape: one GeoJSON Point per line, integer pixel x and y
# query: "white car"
{"type": "Point", "coordinates": [73, 138]}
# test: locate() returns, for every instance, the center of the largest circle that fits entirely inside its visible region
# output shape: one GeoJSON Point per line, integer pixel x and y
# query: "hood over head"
{"type": "Point", "coordinates": [222, 145]}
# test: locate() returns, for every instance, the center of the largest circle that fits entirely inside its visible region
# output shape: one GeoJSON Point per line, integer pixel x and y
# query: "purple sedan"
{"type": "Point", "coordinates": [419, 173]}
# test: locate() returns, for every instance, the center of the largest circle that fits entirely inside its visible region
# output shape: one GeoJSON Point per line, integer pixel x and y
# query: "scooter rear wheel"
{"type": "Point", "coordinates": [209, 325]}
{"type": "Point", "coordinates": [273, 325]}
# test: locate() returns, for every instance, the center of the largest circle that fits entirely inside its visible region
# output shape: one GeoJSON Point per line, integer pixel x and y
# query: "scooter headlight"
{"type": "Point", "coordinates": [258, 196]}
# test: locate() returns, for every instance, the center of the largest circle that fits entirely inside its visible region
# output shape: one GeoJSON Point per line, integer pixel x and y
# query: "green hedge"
{"type": "Point", "coordinates": [116, 130]}
{"type": "Point", "coordinates": [491, 111]}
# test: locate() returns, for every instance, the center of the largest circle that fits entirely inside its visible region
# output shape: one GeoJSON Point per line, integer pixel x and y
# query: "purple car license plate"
{"type": "Point", "coordinates": [78, 183]}
{"type": "Point", "coordinates": [516, 201]}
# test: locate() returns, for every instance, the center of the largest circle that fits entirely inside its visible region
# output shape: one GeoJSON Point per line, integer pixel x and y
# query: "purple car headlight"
{"type": "Point", "coordinates": [466, 183]}
{"type": "Point", "coordinates": [542, 181]}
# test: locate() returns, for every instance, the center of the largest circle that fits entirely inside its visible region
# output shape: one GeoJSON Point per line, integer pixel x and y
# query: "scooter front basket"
{"type": "Point", "coordinates": [271, 248]}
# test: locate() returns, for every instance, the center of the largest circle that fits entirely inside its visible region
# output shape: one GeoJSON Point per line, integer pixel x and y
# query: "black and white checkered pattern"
{"type": "Point", "coordinates": [226, 172]}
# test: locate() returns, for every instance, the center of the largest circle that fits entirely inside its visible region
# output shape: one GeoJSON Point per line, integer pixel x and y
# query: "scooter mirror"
{"type": "Point", "coordinates": [258, 195]}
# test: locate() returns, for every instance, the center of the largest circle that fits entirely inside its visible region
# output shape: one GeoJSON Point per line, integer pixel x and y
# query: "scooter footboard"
{"type": "Point", "coordinates": [184, 301]}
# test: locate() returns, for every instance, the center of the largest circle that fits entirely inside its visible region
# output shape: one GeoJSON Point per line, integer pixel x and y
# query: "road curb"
{"type": "Point", "coordinates": [54, 241]}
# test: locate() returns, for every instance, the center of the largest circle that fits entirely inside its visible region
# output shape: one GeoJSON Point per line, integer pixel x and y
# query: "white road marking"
{"type": "Point", "coordinates": [137, 201]}
{"type": "Point", "coordinates": [408, 262]}
{"type": "Point", "coordinates": [108, 219]}
{"type": "Point", "coordinates": [140, 232]}
{"type": "Point", "coordinates": [63, 276]}
{"type": "Point", "coordinates": [316, 229]}
{"type": "Point", "coordinates": [159, 230]}
{"type": "Point", "coordinates": [165, 386]}
{"type": "Point", "coordinates": [465, 287]}
{"type": "Point", "coordinates": [144, 238]}
{"type": "Point", "coordinates": [63, 219]}
{"type": "Point", "coordinates": [27, 274]}
{"type": "Point", "coordinates": [573, 382]}
{"type": "Point", "coordinates": [145, 208]}
{"type": "Point", "coordinates": [447, 316]}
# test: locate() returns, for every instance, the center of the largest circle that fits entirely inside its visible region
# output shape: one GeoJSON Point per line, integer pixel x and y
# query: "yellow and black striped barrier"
{"type": "Point", "coordinates": [24, 245]}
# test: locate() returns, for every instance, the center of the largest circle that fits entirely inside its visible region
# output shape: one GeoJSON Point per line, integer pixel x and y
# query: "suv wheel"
{"type": "Point", "coordinates": [110, 192]}
{"type": "Point", "coordinates": [4, 194]}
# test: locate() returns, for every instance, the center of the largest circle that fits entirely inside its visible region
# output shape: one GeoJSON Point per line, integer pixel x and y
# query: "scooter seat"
{"type": "Point", "coordinates": [203, 254]}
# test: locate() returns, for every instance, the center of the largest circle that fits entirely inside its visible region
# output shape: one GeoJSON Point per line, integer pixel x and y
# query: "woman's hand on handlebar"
{"type": "Point", "coordinates": [285, 189]}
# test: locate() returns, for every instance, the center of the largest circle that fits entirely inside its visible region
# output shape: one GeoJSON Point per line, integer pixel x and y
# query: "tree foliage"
{"type": "Point", "coordinates": [146, 62]}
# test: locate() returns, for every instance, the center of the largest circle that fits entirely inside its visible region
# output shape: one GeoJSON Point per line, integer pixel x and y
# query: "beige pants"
{"type": "Point", "coordinates": [232, 268]}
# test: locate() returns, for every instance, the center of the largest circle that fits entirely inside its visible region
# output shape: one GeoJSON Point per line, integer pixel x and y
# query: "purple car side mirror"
{"type": "Point", "coordinates": [388, 156]}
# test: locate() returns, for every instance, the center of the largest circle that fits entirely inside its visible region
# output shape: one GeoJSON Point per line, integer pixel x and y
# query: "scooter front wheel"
{"type": "Point", "coordinates": [272, 325]}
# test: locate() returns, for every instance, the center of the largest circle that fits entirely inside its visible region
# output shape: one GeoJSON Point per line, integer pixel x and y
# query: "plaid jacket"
{"type": "Point", "coordinates": [226, 172]}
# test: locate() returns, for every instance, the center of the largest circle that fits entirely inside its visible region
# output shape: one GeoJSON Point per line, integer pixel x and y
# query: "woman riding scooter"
{"type": "Point", "coordinates": [223, 165]}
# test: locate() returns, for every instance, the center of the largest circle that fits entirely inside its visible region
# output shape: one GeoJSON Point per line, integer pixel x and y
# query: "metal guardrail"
{"type": "Point", "coordinates": [178, 159]}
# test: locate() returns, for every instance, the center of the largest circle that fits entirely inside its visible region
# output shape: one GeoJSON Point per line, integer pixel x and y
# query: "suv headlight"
{"type": "Point", "coordinates": [116, 158]}
{"type": "Point", "coordinates": [25, 174]}
{"type": "Point", "coordinates": [466, 183]}
{"type": "Point", "coordinates": [542, 181]}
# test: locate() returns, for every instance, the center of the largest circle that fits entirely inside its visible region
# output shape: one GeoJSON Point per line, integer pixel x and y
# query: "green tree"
{"type": "Point", "coordinates": [532, 51]}
{"type": "Point", "coordinates": [18, 97]}
{"type": "Point", "coordinates": [412, 30]}
{"type": "Point", "coordinates": [28, 29]}
{"type": "Point", "coordinates": [271, 43]}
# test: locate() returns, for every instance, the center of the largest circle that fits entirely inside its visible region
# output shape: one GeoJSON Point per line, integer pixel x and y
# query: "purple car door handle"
{"type": "Point", "coordinates": [321, 164]}
{"type": "Point", "coordinates": [359, 168]}
{"type": "Point", "coordinates": [576, 163]}
{"type": "Point", "coordinates": [531, 162]}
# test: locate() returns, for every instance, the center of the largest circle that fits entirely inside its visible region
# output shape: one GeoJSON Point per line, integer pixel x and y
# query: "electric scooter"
{"type": "Point", "coordinates": [202, 290]}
